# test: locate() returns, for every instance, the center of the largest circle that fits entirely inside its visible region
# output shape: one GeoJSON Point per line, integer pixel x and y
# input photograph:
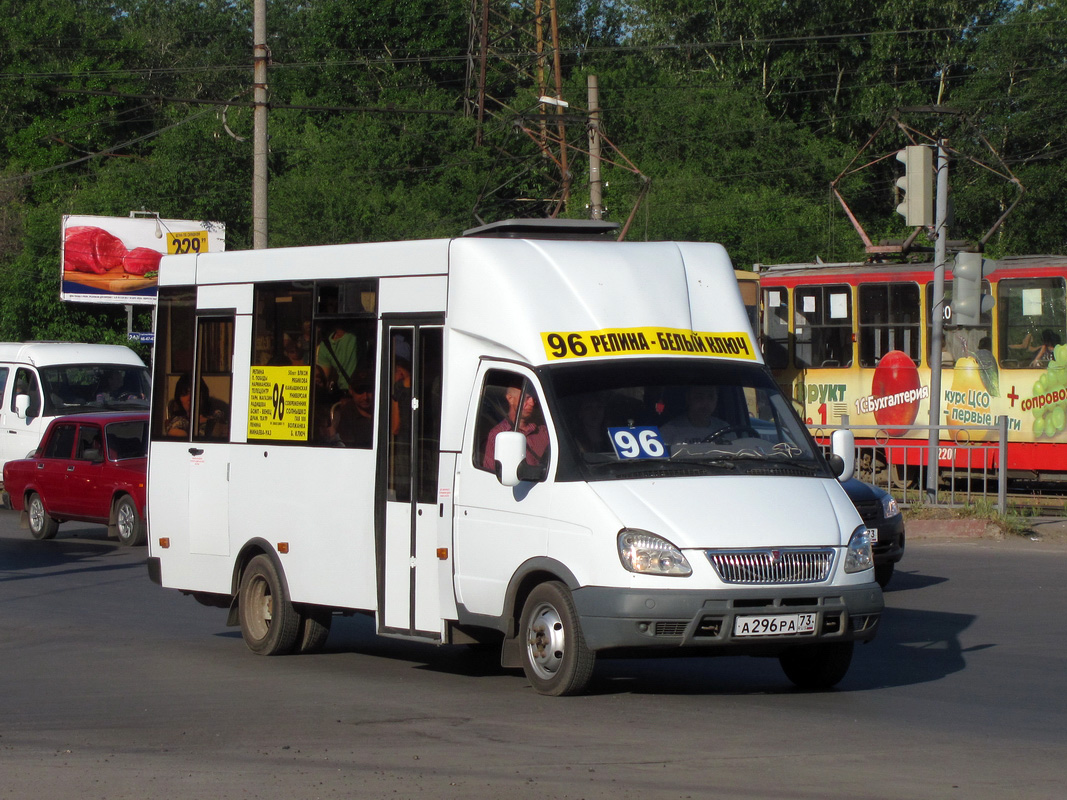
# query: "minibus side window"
{"type": "Point", "coordinates": [505, 396]}
{"type": "Point", "coordinates": [214, 371]}
{"type": "Point", "coordinates": [3, 383]}
{"type": "Point", "coordinates": [175, 329]}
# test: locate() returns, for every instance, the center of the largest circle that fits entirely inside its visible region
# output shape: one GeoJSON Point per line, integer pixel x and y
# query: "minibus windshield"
{"type": "Point", "coordinates": [73, 388]}
{"type": "Point", "coordinates": [656, 418]}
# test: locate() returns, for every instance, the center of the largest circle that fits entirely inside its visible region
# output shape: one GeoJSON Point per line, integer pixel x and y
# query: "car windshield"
{"type": "Point", "coordinates": [127, 439]}
{"type": "Point", "coordinates": [637, 419]}
{"type": "Point", "coordinates": [72, 388]}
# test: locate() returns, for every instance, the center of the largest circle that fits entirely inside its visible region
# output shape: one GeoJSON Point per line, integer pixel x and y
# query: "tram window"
{"type": "Point", "coordinates": [822, 324]}
{"type": "Point", "coordinates": [776, 327]}
{"type": "Point", "coordinates": [889, 320]}
{"type": "Point", "coordinates": [957, 341]}
{"type": "Point", "coordinates": [1033, 318]}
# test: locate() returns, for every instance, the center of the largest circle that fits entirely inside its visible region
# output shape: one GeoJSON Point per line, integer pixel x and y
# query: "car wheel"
{"type": "Point", "coordinates": [269, 623]}
{"type": "Point", "coordinates": [817, 666]}
{"type": "Point", "coordinates": [42, 526]}
{"type": "Point", "coordinates": [883, 573]}
{"type": "Point", "coordinates": [555, 657]}
{"type": "Point", "coordinates": [314, 629]}
{"type": "Point", "coordinates": [128, 523]}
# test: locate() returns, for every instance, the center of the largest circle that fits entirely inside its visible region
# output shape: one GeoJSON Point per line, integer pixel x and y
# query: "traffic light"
{"type": "Point", "coordinates": [968, 301]}
{"type": "Point", "coordinates": [917, 185]}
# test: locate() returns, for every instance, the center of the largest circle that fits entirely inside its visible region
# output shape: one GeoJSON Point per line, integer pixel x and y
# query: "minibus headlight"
{"type": "Point", "coordinates": [648, 554]}
{"type": "Point", "coordinates": [858, 556]}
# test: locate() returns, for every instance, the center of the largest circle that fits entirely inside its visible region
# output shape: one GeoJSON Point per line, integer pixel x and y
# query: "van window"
{"type": "Point", "coordinates": [3, 384]}
{"type": "Point", "coordinates": [629, 419]}
{"type": "Point", "coordinates": [72, 388]}
{"type": "Point", "coordinates": [509, 402]}
{"type": "Point", "coordinates": [26, 383]}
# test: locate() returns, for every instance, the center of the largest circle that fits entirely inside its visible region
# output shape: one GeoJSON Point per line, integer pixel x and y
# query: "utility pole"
{"type": "Point", "coordinates": [596, 187]}
{"type": "Point", "coordinates": [259, 120]}
{"type": "Point", "coordinates": [938, 320]}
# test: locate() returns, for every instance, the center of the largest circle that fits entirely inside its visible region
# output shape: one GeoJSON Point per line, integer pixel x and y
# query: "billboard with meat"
{"type": "Point", "coordinates": [116, 259]}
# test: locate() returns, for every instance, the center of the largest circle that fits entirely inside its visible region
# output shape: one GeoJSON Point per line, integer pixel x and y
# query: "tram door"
{"type": "Point", "coordinates": [411, 412]}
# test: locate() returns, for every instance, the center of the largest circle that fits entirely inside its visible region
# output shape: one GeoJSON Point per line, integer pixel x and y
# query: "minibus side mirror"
{"type": "Point", "coordinates": [843, 460]}
{"type": "Point", "coordinates": [22, 405]}
{"type": "Point", "coordinates": [509, 455]}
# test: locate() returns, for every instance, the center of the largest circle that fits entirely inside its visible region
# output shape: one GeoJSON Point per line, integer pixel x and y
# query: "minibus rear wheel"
{"type": "Point", "coordinates": [269, 623]}
{"type": "Point", "coordinates": [555, 657]}
{"type": "Point", "coordinates": [817, 666]}
{"type": "Point", "coordinates": [314, 629]}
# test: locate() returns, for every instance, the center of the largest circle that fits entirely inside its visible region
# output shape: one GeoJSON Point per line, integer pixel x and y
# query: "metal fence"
{"type": "Point", "coordinates": [971, 461]}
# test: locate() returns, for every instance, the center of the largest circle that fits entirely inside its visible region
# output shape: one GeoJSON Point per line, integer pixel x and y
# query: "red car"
{"type": "Point", "coordinates": [88, 467]}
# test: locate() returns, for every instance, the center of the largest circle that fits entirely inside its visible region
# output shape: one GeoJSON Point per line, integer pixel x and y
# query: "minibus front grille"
{"type": "Point", "coordinates": [798, 565]}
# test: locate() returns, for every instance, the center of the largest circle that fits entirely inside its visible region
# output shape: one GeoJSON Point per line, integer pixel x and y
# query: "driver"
{"type": "Point", "coordinates": [698, 423]}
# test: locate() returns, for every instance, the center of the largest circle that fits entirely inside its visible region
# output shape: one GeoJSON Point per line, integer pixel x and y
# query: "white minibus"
{"type": "Point", "coordinates": [42, 380]}
{"type": "Point", "coordinates": [530, 436]}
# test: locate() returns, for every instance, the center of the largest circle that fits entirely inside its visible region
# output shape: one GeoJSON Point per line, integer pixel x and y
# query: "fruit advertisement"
{"type": "Point", "coordinates": [116, 259]}
{"type": "Point", "coordinates": [885, 401]}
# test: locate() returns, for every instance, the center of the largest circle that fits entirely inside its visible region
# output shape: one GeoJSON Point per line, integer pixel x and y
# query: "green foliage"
{"type": "Point", "coordinates": [733, 118]}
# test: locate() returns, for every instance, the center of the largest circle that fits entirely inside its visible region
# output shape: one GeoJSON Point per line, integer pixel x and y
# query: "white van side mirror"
{"type": "Point", "coordinates": [509, 453]}
{"type": "Point", "coordinates": [22, 405]}
{"type": "Point", "coordinates": [843, 460]}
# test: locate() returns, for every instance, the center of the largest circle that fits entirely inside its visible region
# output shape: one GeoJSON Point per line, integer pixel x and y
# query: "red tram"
{"type": "Point", "coordinates": [853, 339]}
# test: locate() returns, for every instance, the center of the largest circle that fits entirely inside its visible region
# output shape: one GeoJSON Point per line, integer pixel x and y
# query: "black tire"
{"type": "Point", "coordinates": [314, 629]}
{"type": "Point", "coordinates": [269, 623]}
{"type": "Point", "coordinates": [817, 666]}
{"type": "Point", "coordinates": [883, 573]}
{"type": "Point", "coordinates": [42, 526]}
{"type": "Point", "coordinates": [555, 657]}
{"type": "Point", "coordinates": [128, 523]}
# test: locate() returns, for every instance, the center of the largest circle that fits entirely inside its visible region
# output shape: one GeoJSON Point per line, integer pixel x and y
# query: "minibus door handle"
{"type": "Point", "coordinates": [196, 451]}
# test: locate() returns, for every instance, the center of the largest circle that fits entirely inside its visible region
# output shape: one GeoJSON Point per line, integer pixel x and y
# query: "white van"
{"type": "Point", "coordinates": [42, 380]}
{"type": "Point", "coordinates": [566, 446]}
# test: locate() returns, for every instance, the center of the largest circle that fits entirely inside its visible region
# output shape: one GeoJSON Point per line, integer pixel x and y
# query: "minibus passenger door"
{"type": "Point", "coordinates": [407, 543]}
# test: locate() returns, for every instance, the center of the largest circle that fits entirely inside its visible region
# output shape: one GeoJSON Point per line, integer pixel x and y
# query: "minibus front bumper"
{"type": "Point", "coordinates": [771, 618]}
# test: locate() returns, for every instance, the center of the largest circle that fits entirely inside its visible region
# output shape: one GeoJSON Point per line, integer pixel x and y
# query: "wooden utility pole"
{"type": "Point", "coordinates": [259, 119]}
{"type": "Point", "coordinates": [596, 187]}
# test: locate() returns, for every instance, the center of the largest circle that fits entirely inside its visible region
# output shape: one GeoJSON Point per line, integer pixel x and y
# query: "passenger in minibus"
{"type": "Point", "coordinates": [530, 422]}
{"type": "Point", "coordinates": [352, 419]}
{"type": "Point", "coordinates": [338, 355]}
{"type": "Point", "coordinates": [698, 422]}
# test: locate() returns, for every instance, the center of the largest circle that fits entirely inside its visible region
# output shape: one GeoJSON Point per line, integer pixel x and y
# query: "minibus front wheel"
{"type": "Point", "coordinates": [269, 623]}
{"type": "Point", "coordinates": [817, 666]}
{"type": "Point", "coordinates": [555, 657]}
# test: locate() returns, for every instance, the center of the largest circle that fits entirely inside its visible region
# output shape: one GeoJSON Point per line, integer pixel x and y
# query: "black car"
{"type": "Point", "coordinates": [879, 511]}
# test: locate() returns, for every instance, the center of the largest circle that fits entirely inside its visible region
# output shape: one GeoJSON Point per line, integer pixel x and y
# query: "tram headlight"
{"type": "Point", "coordinates": [648, 554]}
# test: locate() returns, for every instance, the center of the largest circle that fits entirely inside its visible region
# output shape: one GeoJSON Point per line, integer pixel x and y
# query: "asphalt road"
{"type": "Point", "coordinates": [114, 688]}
